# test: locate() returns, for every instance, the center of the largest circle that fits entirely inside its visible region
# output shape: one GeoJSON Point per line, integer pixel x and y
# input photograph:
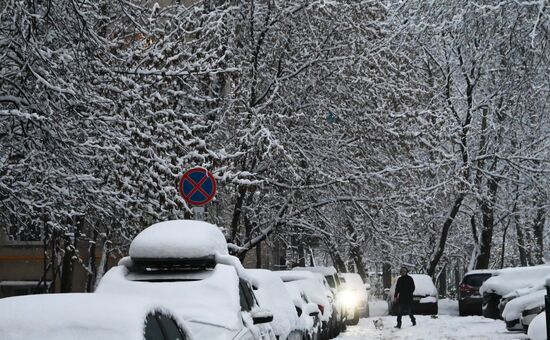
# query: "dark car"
{"type": "Point", "coordinates": [469, 297]}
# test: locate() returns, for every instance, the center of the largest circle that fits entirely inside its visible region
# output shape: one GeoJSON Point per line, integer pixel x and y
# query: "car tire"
{"type": "Point", "coordinates": [355, 320]}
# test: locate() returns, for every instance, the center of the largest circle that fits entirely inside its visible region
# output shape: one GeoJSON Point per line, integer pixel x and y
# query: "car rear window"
{"type": "Point", "coordinates": [476, 280]}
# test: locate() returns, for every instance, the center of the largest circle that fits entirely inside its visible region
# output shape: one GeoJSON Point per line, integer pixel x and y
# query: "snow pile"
{"type": "Point", "coordinates": [179, 239]}
{"type": "Point", "coordinates": [211, 304]}
{"type": "Point", "coordinates": [537, 327]}
{"type": "Point", "coordinates": [506, 280]}
{"type": "Point", "coordinates": [515, 307]}
{"type": "Point", "coordinates": [76, 316]}
{"type": "Point", "coordinates": [272, 295]}
{"type": "Point", "coordinates": [424, 285]}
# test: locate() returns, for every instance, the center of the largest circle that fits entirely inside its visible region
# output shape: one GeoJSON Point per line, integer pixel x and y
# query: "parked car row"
{"type": "Point", "coordinates": [194, 290]}
{"type": "Point", "coordinates": [515, 295]}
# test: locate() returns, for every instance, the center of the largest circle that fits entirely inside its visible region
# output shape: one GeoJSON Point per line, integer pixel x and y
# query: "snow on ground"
{"type": "Point", "coordinates": [447, 326]}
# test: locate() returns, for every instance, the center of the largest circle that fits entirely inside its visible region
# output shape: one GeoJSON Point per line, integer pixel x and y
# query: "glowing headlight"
{"type": "Point", "coordinates": [348, 298]}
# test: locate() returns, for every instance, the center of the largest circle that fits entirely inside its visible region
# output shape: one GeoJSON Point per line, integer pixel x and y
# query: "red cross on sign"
{"type": "Point", "coordinates": [197, 186]}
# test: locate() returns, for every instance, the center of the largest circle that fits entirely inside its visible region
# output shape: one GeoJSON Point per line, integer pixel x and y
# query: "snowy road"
{"type": "Point", "coordinates": [448, 326]}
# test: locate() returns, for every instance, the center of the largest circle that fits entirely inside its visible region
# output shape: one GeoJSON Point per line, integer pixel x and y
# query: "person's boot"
{"type": "Point", "coordinates": [398, 325]}
{"type": "Point", "coordinates": [414, 322]}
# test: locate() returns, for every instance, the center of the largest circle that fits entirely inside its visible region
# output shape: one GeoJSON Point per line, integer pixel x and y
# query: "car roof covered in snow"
{"type": "Point", "coordinates": [506, 280]}
{"type": "Point", "coordinates": [423, 285]}
{"type": "Point", "coordinates": [179, 239]}
{"type": "Point", "coordinates": [318, 269]}
{"type": "Point", "coordinates": [76, 316]}
{"type": "Point", "coordinates": [353, 280]}
{"type": "Point", "coordinates": [212, 300]}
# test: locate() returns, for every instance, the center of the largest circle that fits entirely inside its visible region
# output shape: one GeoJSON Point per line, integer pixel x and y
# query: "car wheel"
{"type": "Point", "coordinates": [355, 320]}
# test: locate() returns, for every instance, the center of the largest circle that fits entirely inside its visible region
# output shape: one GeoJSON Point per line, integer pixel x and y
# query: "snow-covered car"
{"type": "Point", "coordinates": [331, 276]}
{"type": "Point", "coordinates": [529, 314]}
{"type": "Point", "coordinates": [509, 283]}
{"type": "Point", "coordinates": [186, 265]}
{"type": "Point", "coordinates": [313, 285]}
{"type": "Point", "coordinates": [424, 296]}
{"type": "Point", "coordinates": [80, 316]}
{"type": "Point", "coordinates": [272, 294]}
{"type": "Point", "coordinates": [532, 302]}
{"type": "Point", "coordinates": [537, 328]}
{"type": "Point", "coordinates": [469, 297]}
{"type": "Point", "coordinates": [354, 296]}
{"type": "Point", "coordinates": [309, 315]}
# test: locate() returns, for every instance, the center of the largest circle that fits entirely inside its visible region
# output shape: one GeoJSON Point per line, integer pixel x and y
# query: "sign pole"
{"type": "Point", "coordinates": [198, 213]}
{"type": "Point", "coordinates": [547, 309]}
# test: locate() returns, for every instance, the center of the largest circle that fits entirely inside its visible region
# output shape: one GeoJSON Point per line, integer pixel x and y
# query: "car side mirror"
{"type": "Point", "coordinates": [367, 286]}
{"type": "Point", "coordinates": [261, 316]}
{"type": "Point", "coordinates": [386, 290]}
{"type": "Point", "coordinates": [312, 309]}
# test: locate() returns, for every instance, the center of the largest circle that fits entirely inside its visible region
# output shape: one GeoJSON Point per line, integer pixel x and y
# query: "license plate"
{"type": "Point", "coordinates": [416, 299]}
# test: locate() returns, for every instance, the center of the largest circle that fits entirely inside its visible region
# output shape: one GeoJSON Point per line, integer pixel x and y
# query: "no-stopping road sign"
{"type": "Point", "coordinates": [197, 186]}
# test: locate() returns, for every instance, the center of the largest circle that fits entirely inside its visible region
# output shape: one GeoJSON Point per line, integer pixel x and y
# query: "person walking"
{"type": "Point", "coordinates": [403, 296]}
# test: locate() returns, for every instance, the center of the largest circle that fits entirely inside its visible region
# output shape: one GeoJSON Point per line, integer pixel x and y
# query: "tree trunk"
{"type": "Point", "coordinates": [487, 211]}
{"type": "Point", "coordinates": [90, 282]}
{"type": "Point", "coordinates": [444, 234]}
{"type": "Point", "coordinates": [521, 243]}
{"type": "Point", "coordinates": [67, 266]}
{"type": "Point", "coordinates": [538, 230]}
{"type": "Point", "coordinates": [386, 275]}
{"type": "Point", "coordinates": [259, 255]}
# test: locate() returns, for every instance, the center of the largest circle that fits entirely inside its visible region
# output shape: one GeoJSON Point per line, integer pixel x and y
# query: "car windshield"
{"type": "Point", "coordinates": [476, 280]}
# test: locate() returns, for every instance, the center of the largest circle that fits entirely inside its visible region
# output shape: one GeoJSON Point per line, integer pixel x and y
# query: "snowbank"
{"type": "Point", "coordinates": [506, 280]}
{"type": "Point", "coordinates": [273, 295]}
{"type": "Point", "coordinates": [76, 316]}
{"type": "Point", "coordinates": [179, 239]}
{"type": "Point", "coordinates": [211, 304]}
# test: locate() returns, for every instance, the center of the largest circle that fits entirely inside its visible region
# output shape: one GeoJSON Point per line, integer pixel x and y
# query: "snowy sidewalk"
{"type": "Point", "coordinates": [448, 326]}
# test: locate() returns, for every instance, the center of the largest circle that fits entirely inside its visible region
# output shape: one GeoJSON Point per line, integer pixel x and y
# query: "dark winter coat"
{"type": "Point", "coordinates": [404, 289]}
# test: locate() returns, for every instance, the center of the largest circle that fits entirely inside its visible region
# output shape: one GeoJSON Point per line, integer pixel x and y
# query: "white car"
{"type": "Point", "coordinates": [331, 276]}
{"type": "Point", "coordinates": [309, 315]}
{"type": "Point", "coordinates": [83, 316]}
{"type": "Point", "coordinates": [532, 302]}
{"type": "Point", "coordinates": [354, 296]}
{"type": "Point", "coordinates": [186, 265]}
{"type": "Point", "coordinates": [272, 294]}
{"type": "Point", "coordinates": [313, 284]}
